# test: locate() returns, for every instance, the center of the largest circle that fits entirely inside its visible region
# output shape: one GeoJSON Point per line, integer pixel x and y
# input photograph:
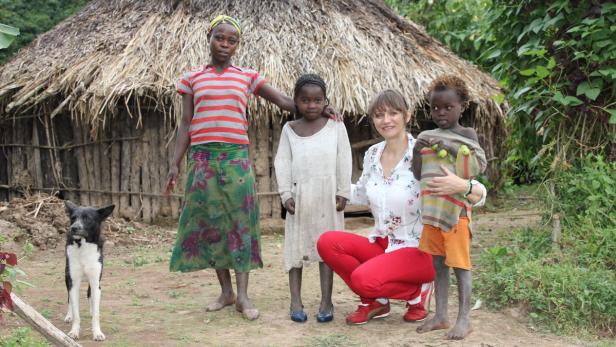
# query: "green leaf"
{"type": "Point", "coordinates": [527, 72]}
{"type": "Point", "coordinates": [601, 44]}
{"type": "Point", "coordinates": [591, 91]}
{"type": "Point", "coordinates": [498, 98]}
{"type": "Point", "coordinates": [494, 54]}
{"type": "Point", "coordinates": [521, 92]}
{"type": "Point", "coordinates": [551, 63]}
{"type": "Point", "coordinates": [7, 35]}
{"type": "Point", "coordinates": [566, 100]}
{"type": "Point", "coordinates": [542, 71]}
{"type": "Point", "coordinates": [534, 52]}
{"type": "Point", "coordinates": [612, 113]}
{"type": "Point", "coordinates": [575, 29]}
{"type": "Point", "coordinates": [536, 25]}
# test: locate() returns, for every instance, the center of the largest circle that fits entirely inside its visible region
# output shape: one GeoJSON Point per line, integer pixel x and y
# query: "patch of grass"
{"type": "Point", "coordinates": [46, 313]}
{"type": "Point", "coordinates": [335, 340]}
{"type": "Point", "coordinates": [139, 261]}
{"type": "Point", "coordinates": [135, 302]}
{"type": "Point", "coordinates": [174, 294]}
{"type": "Point", "coordinates": [23, 337]}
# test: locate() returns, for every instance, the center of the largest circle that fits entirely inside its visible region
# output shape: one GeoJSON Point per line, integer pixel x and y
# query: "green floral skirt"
{"type": "Point", "coordinates": [219, 223]}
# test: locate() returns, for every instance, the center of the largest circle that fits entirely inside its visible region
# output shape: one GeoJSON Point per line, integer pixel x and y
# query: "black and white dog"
{"type": "Point", "coordinates": [84, 257]}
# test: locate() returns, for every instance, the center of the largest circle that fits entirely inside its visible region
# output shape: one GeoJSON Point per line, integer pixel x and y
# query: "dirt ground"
{"type": "Point", "coordinates": [143, 304]}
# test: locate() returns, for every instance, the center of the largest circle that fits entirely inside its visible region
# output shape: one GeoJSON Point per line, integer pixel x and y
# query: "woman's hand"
{"type": "Point", "coordinates": [171, 179]}
{"type": "Point", "coordinates": [449, 184]}
{"type": "Point", "coordinates": [340, 203]}
{"type": "Point", "coordinates": [290, 205]}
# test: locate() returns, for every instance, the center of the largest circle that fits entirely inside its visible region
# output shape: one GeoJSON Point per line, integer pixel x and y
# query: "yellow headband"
{"type": "Point", "coordinates": [225, 19]}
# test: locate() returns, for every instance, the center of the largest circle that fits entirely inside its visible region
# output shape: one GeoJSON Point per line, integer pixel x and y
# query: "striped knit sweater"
{"type": "Point", "coordinates": [444, 211]}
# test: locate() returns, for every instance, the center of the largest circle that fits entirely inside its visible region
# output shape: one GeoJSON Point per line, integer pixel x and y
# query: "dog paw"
{"type": "Point", "coordinates": [99, 336]}
{"type": "Point", "coordinates": [68, 318]}
{"type": "Point", "coordinates": [74, 334]}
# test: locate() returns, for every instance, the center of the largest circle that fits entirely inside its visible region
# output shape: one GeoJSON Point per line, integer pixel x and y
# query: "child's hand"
{"type": "Point", "coordinates": [171, 179]}
{"type": "Point", "coordinates": [340, 203]}
{"type": "Point", "coordinates": [420, 143]}
{"type": "Point", "coordinates": [447, 145]}
{"type": "Point", "coordinates": [332, 113]}
{"type": "Point", "coordinates": [290, 205]}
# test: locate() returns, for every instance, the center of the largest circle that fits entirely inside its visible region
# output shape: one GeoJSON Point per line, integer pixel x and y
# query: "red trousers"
{"type": "Point", "coordinates": [370, 272]}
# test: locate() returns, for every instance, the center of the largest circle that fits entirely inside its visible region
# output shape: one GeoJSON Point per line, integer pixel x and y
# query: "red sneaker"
{"type": "Point", "coordinates": [366, 312]}
{"type": "Point", "coordinates": [415, 313]}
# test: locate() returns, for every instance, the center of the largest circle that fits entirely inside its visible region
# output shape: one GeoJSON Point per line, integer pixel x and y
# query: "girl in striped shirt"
{"type": "Point", "coordinates": [219, 223]}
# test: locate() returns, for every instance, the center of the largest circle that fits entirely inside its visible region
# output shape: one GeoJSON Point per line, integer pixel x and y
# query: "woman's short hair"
{"type": "Point", "coordinates": [388, 97]}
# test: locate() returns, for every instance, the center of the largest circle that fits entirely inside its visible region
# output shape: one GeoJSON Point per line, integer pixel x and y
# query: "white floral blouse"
{"type": "Point", "coordinates": [394, 201]}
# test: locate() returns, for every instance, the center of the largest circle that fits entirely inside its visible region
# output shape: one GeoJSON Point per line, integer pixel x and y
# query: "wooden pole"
{"type": "Point", "coordinates": [276, 131]}
{"type": "Point", "coordinates": [37, 171]}
{"type": "Point", "coordinates": [163, 168]}
{"type": "Point", "coordinates": [97, 177]}
{"type": "Point", "coordinates": [82, 167]}
{"type": "Point", "coordinates": [135, 172]}
{"type": "Point", "coordinates": [115, 167]}
{"type": "Point", "coordinates": [262, 162]}
{"type": "Point", "coordinates": [179, 188]}
{"type": "Point", "coordinates": [125, 210]}
{"type": "Point", "coordinates": [146, 183]}
{"type": "Point", "coordinates": [105, 177]}
{"type": "Point", "coordinates": [89, 163]}
{"type": "Point", "coordinates": [155, 142]}
{"type": "Point", "coordinates": [40, 324]}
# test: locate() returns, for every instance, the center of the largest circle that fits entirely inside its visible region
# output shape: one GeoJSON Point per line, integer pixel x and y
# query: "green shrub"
{"type": "Point", "coordinates": [587, 192]}
{"type": "Point", "coordinates": [585, 196]}
{"type": "Point", "coordinates": [562, 296]}
{"type": "Point", "coordinates": [571, 288]}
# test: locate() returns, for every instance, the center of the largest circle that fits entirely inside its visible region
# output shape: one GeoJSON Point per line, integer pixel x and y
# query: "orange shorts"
{"type": "Point", "coordinates": [454, 245]}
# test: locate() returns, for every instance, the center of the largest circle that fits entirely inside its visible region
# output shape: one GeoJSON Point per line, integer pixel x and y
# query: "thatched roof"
{"type": "Point", "coordinates": [112, 51]}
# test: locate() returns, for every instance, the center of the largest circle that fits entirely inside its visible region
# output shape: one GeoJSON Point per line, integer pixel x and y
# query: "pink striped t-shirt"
{"type": "Point", "coordinates": [220, 101]}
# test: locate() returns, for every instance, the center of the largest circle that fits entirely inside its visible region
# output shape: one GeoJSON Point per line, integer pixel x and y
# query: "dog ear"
{"type": "Point", "coordinates": [69, 206]}
{"type": "Point", "coordinates": [105, 212]}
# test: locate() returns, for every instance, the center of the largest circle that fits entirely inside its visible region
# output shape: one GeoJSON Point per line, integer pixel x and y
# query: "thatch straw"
{"type": "Point", "coordinates": [120, 52]}
{"type": "Point", "coordinates": [116, 49]}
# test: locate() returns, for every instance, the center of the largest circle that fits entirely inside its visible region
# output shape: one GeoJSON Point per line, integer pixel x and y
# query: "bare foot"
{"type": "Point", "coordinates": [460, 330]}
{"type": "Point", "coordinates": [433, 324]}
{"type": "Point", "coordinates": [220, 303]}
{"type": "Point", "coordinates": [248, 311]}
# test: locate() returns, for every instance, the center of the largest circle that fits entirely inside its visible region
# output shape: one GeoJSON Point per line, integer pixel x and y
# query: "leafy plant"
{"type": "Point", "coordinates": [460, 24]}
{"type": "Point", "coordinates": [22, 337]}
{"type": "Point", "coordinates": [9, 274]}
